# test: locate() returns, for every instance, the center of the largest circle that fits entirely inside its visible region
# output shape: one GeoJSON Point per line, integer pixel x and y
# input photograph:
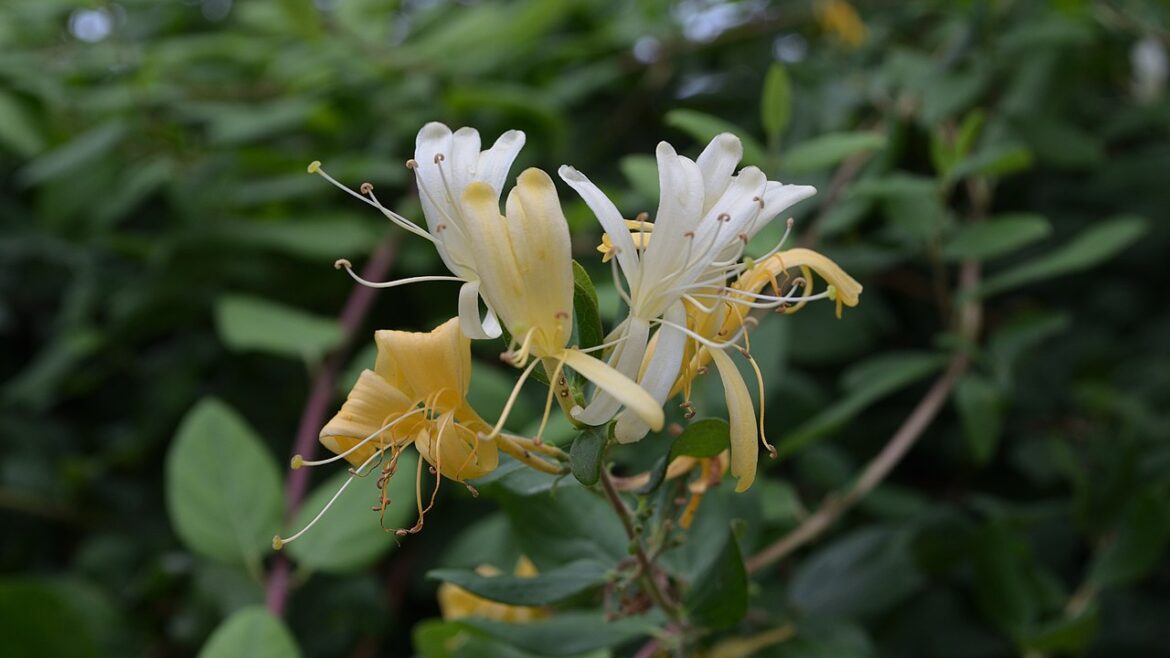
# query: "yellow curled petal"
{"type": "Point", "coordinates": [741, 416]}
{"type": "Point", "coordinates": [427, 364]}
{"type": "Point", "coordinates": [372, 403]}
{"type": "Point", "coordinates": [456, 451]}
{"type": "Point", "coordinates": [848, 290]}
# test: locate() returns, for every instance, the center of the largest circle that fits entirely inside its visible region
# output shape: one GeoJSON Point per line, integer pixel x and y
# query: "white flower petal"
{"type": "Point", "coordinates": [462, 160]}
{"type": "Point", "coordinates": [680, 206]}
{"type": "Point", "coordinates": [618, 386]}
{"type": "Point", "coordinates": [660, 375]}
{"type": "Point", "coordinates": [626, 359]}
{"type": "Point", "coordinates": [608, 215]}
{"type": "Point", "coordinates": [495, 162]}
{"type": "Point", "coordinates": [717, 162]}
{"type": "Point", "coordinates": [469, 321]}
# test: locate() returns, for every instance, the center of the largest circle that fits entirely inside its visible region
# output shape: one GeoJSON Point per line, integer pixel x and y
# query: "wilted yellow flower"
{"type": "Point", "coordinates": [457, 603]}
{"type": "Point", "coordinates": [417, 395]}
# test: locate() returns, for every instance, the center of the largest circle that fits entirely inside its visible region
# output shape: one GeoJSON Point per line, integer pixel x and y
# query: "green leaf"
{"type": "Point", "coordinates": [568, 633]}
{"type": "Point", "coordinates": [718, 597]}
{"type": "Point", "coordinates": [252, 323]}
{"type": "Point", "coordinates": [565, 524]}
{"type": "Point", "coordinates": [1138, 543]}
{"type": "Point", "coordinates": [997, 236]}
{"type": "Point", "coordinates": [829, 150]}
{"type": "Point", "coordinates": [82, 150]}
{"type": "Point", "coordinates": [703, 438]}
{"type": "Point", "coordinates": [590, 332]}
{"type": "Point", "coordinates": [862, 574]}
{"type": "Point", "coordinates": [222, 486]}
{"type": "Point", "coordinates": [586, 453]}
{"type": "Point", "coordinates": [18, 131]}
{"type": "Point", "coordinates": [318, 238]}
{"type": "Point", "coordinates": [37, 620]}
{"type": "Point", "coordinates": [704, 127]}
{"type": "Point", "coordinates": [642, 172]}
{"type": "Point", "coordinates": [776, 102]}
{"type": "Point", "coordinates": [349, 536]}
{"type": "Point", "coordinates": [547, 588]}
{"type": "Point", "coordinates": [1092, 247]}
{"type": "Point", "coordinates": [865, 384]}
{"type": "Point", "coordinates": [980, 408]}
{"type": "Point", "coordinates": [1000, 160]}
{"type": "Point", "coordinates": [252, 633]}
{"type": "Point", "coordinates": [1002, 569]}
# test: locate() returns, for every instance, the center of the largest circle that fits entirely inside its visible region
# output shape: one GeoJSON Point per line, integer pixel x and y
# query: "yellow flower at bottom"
{"type": "Point", "coordinates": [457, 603]}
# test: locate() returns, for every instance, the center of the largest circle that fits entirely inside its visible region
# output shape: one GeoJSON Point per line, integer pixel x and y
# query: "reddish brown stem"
{"type": "Point", "coordinates": [357, 306]}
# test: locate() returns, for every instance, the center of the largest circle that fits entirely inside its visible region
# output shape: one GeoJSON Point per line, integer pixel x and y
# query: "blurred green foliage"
{"type": "Point", "coordinates": [167, 295]}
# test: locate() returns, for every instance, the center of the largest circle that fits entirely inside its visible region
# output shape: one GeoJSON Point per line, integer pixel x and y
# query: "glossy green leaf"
{"type": "Point", "coordinates": [546, 588]}
{"type": "Point", "coordinates": [1090, 248]}
{"type": "Point", "coordinates": [350, 535]}
{"type": "Point", "coordinates": [704, 127]}
{"type": "Point", "coordinates": [319, 238]}
{"type": "Point", "coordinates": [565, 524]}
{"type": "Point", "coordinates": [718, 597]}
{"type": "Point", "coordinates": [829, 150]}
{"type": "Point", "coordinates": [251, 323]}
{"type": "Point", "coordinates": [223, 489]}
{"type": "Point", "coordinates": [586, 455]}
{"type": "Point", "coordinates": [996, 236]}
{"type": "Point", "coordinates": [590, 332]}
{"type": "Point", "coordinates": [776, 102]}
{"type": "Point", "coordinates": [980, 408]}
{"type": "Point", "coordinates": [703, 438]}
{"type": "Point", "coordinates": [252, 633]}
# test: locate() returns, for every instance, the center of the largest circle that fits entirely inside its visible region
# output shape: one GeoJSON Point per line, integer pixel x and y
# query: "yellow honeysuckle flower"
{"type": "Point", "coordinates": [706, 215]}
{"type": "Point", "coordinates": [417, 395]}
{"type": "Point", "coordinates": [457, 603]}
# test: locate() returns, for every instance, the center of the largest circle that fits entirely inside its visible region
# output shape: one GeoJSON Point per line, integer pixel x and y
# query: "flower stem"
{"type": "Point", "coordinates": [649, 580]}
{"type": "Point", "coordinates": [357, 306]}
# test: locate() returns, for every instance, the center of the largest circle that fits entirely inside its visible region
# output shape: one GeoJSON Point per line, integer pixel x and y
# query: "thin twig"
{"type": "Point", "coordinates": [649, 582]}
{"type": "Point", "coordinates": [970, 316]}
{"type": "Point", "coordinates": [357, 306]}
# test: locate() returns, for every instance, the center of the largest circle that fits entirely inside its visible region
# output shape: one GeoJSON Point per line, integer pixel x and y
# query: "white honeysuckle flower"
{"type": "Point", "coordinates": [707, 214]}
{"type": "Point", "coordinates": [445, 163]}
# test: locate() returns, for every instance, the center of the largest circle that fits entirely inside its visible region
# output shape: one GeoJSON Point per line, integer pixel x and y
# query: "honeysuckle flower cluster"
{"type": "Point", "coordinates": [689, 289]}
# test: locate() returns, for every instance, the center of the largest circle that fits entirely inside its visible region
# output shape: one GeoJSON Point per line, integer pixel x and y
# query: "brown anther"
{"type": "Point", "coordinates": [401, 532]}
{"type": "Point", "coordinates": [701, 370]}
{"type": "Point", "coordinates": [439, 228]}
{"type": "Point", "coordinates": [689, 234]}
{"type": "Point", "coordinates": [412, 164]}
{"type": "Point", "coordinates": [772, 452]}
{"type": "Point", "coordinates": [439, 157]}
{"type": "Point", "coordinates": [675, 429]}
{"type": "Point", "coordinates": [342, 262]}
{"type": "Point", "coordinates": [689, 414]}
{"type": "Point", "coordinates": [759, 201]}
{"type": "Point", "coordinates": [538, 441]}
{"type": "Point", "coordinates": [723, 217]}
{"type": "Point", "coordinates": [642, 217]}
{"type": "Point", "coordinates": [744, 237]}
{"type": "Point", "coordinates": [472, 490]}
{"type": "Point", "coordinates": [431, 469]}
{"type": "Point", "coordinates": [562, 315]}
{"type": "Point", "coordinates": [366, 188]}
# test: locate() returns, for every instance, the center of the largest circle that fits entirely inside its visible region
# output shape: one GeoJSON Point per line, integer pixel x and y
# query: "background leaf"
{"type": "Point", "coordinates": [252, 632]}
{"type": "Point", "coordinates": [251, 323]}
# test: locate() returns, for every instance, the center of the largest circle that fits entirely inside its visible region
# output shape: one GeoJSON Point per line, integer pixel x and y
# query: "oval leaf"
{"type": "Point", "coordinates": [718, 597]}
{"type": "Point", "coordinates": [586, 453]}
{"type": "Point", "coordinates": [828, 150]}
{"type": "Point", "coordinates": [996, 236]}
{"type": "Point", "coordinates": [251, 633]}
{"type": "Point", "coordinates": [704, 127]}
{"type": "Point", "coordinates": [222, 486]}
{"type": "Point", "coordinates": [251, 323]}
{"type": "Point", "coordinates": [776, 101]}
